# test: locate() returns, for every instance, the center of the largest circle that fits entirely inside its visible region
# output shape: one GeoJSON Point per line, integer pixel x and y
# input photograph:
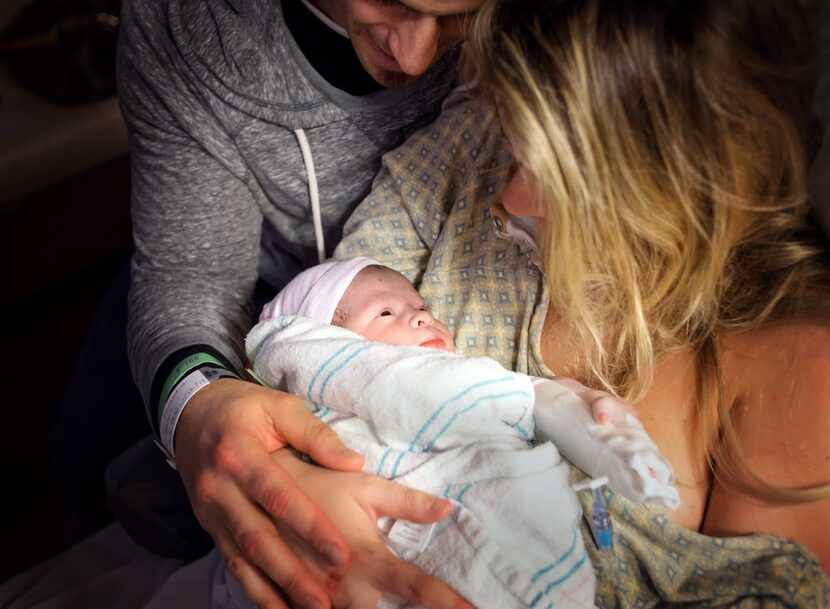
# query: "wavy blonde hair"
{"type": "Point", "coordinates": [669, 141]}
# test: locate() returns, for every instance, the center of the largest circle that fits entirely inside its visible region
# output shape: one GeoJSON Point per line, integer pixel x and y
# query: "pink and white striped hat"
{"type": "Point", "coordinates": [317, 291]}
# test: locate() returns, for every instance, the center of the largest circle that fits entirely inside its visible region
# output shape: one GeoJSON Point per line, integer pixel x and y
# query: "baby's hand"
{"type": "Point", "coordinates": [608, 409]}
{"type": "Point", "coordinates": [605, 408]}
{"type": "Point", "coordinates": [610, 441]}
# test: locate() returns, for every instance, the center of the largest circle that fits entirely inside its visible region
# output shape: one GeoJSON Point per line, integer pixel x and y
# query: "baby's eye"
{"type": "Point", "coordinates": [385, 313]}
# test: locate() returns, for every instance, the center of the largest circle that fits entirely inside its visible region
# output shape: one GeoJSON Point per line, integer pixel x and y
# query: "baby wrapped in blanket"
{"type": "Point", "coordinates": [355, 341]}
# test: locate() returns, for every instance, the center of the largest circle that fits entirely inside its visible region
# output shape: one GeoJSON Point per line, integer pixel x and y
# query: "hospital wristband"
{"type": "Point", "coordinates": [184, 388]}
{"type": "Point", "coordinates": [184, 367]}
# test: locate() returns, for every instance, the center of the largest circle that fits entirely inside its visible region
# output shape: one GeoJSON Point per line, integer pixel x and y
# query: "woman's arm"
{"type": "Point", "coordinates": [782, 413]}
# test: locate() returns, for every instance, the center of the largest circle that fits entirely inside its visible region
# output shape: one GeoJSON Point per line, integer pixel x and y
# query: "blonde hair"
{"type": "Point", "coordinates": [669, 144]}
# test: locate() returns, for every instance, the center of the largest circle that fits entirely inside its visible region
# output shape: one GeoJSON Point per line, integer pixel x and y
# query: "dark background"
{"type": "Point", "coordinates": [61, 244]}
{"type": "Point", "coordinates": [60, 249]}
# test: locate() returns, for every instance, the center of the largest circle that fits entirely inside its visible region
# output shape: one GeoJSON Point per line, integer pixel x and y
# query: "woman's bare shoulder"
{"type": "Point", "coordinates": [782, 343]}
{"type": "Point", "coordinates": [783, 363]}
{"type": "Point", "coordinates": [778, 380]}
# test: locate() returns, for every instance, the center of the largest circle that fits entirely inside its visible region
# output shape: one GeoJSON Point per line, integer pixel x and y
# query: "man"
{"type": "Point", "coordinates": [255, 128]}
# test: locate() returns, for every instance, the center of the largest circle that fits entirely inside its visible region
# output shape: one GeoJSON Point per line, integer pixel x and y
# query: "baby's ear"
{"type": "Point", "coordinates": [339, 316]}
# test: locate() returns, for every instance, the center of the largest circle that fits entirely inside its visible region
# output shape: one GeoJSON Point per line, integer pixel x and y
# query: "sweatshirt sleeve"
{"type": "Point", "coordinates": [196, 225]}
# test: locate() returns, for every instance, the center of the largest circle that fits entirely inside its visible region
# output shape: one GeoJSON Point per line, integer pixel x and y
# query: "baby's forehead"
{"type": "Point", "coordinates": [379, 281]}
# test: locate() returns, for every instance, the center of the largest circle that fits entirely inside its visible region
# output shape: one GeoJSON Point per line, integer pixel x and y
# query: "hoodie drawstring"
{"type": "Point", "coordinates": [313, 193]}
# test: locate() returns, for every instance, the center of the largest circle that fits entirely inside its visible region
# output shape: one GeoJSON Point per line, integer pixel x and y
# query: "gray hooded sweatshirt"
{"type": "Point", "coordinates": [219, 103]}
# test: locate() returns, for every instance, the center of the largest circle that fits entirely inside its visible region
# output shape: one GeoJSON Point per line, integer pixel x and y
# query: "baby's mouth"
{"type": "Point", "coordinates": [434, 343]}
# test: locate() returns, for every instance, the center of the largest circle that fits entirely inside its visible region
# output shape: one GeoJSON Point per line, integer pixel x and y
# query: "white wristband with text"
{"type": "Point", "coordinates": [179, 397]}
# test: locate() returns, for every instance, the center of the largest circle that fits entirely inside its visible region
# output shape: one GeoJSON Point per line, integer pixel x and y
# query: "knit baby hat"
{"type": "Point", "coordinates": [317, 291]}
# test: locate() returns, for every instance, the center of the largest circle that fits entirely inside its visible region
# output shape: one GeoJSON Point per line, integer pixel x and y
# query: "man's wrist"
{"type": "Point", "coordinates": [188, 385]}
{"type": "Point", "coordinates": [177, 380]}
{"type": "Point", "coordinates": [182, 369]}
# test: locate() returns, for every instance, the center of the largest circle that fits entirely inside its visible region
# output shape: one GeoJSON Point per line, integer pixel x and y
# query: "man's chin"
{"type": "Point", "coordinates": [387, 78]}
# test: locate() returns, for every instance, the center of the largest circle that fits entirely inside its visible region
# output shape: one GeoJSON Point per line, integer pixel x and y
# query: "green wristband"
{"type": "Point", "coordinates": [185, 366]}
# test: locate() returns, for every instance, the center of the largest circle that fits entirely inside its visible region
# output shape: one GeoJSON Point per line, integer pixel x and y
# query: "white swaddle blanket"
{"type": "Point", "coordinates": [460, 428]}
{"type": "Point", "coordinates": [452, 426]}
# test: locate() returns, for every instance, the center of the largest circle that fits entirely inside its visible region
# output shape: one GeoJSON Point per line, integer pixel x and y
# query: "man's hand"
{"type": "Point", "coordinates": [355, 501]}
{"type": "Point", "coordinates": [223, 444]}
{"type": "Point", "coordinates": [239, 490]}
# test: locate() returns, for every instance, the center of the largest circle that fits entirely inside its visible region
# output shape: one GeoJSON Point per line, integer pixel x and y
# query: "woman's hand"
{"type": "Point", "coordinates": [224, 444]}
{"type": "Point", "coordinates": [354, 502]}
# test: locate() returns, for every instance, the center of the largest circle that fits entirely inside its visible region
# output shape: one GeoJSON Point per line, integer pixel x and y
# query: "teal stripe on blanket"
{"type": "Point", "coordinates": [463, 492]}
{"type": "Point", "coordinates": [559, 560]}
{"type": "Point", "coordinates": [455, 398]}
{"type": "Point", "coordinates": [361, 346]}
{"type": "Point", "coordinates": [334, 372]}
{"type": "Point", "coordinates": [323, 367]}
{"type": "Point", "coordinates": [492, 396]}
{"type": "Point", "coordinates": [394, 473]}
{"type": "Point", "coordinates": [379, 470]}
{"type": "Point", "coordinates": [558, 582]}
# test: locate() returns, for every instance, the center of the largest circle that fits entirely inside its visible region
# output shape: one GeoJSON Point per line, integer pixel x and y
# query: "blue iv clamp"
{"type": "Point", "coordinates": [601, 521]}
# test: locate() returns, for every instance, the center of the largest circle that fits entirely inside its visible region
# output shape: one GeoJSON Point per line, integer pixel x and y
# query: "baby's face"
{"type": "Point", "coordinates": [381, 305]}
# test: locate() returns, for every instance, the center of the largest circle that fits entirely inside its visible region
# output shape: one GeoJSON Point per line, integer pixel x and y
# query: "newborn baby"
{"type": "Point", "coordinates": [355, 340]}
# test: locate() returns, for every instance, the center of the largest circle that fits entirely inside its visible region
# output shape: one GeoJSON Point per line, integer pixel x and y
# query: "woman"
{"type": "Point", "coordinates": [663, 148]}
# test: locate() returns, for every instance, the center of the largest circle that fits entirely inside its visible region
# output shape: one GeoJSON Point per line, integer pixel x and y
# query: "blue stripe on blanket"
{"type": "Point", "coordinates": [521, 430]}
{"type": "Point", "coordinates": [446, 492]}
{"type": "Point", "coordinates": [559, 560]}
{"type": "Point", "coordinates": [559, 581]}
{"type": "Point", "coordinates": [468, 408]}
{"type": "Point", "coordinates": [334, 372]}
{"type": "Point", "coordinates": [440, 408]}
{"type": "Point", "coordinates": [456, 512]}
{"type": "Point", "coordinates": [361, 346]}
{"type": "Point", "coordinates": [379, 470]}
{"type": "Point", "coordinates": [463, 492]}
{"type": "Point", "coordinates": [394, 473]}
{"type": "Point", "coordinates": [323, 367]}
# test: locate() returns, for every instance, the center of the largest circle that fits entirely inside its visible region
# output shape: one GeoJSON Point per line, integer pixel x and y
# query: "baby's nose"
{"type": "Point", "coordinates": [422, 318]}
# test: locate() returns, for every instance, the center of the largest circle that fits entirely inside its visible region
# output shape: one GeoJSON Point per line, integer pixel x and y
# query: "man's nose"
{"type": "Point", "coordinates": [421, 318]}
{"type": "Point", "coordinates": [417, 44]}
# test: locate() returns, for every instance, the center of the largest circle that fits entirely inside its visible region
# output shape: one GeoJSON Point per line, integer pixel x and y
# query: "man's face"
{"type": "Point", "coordinates": [397, 40]}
